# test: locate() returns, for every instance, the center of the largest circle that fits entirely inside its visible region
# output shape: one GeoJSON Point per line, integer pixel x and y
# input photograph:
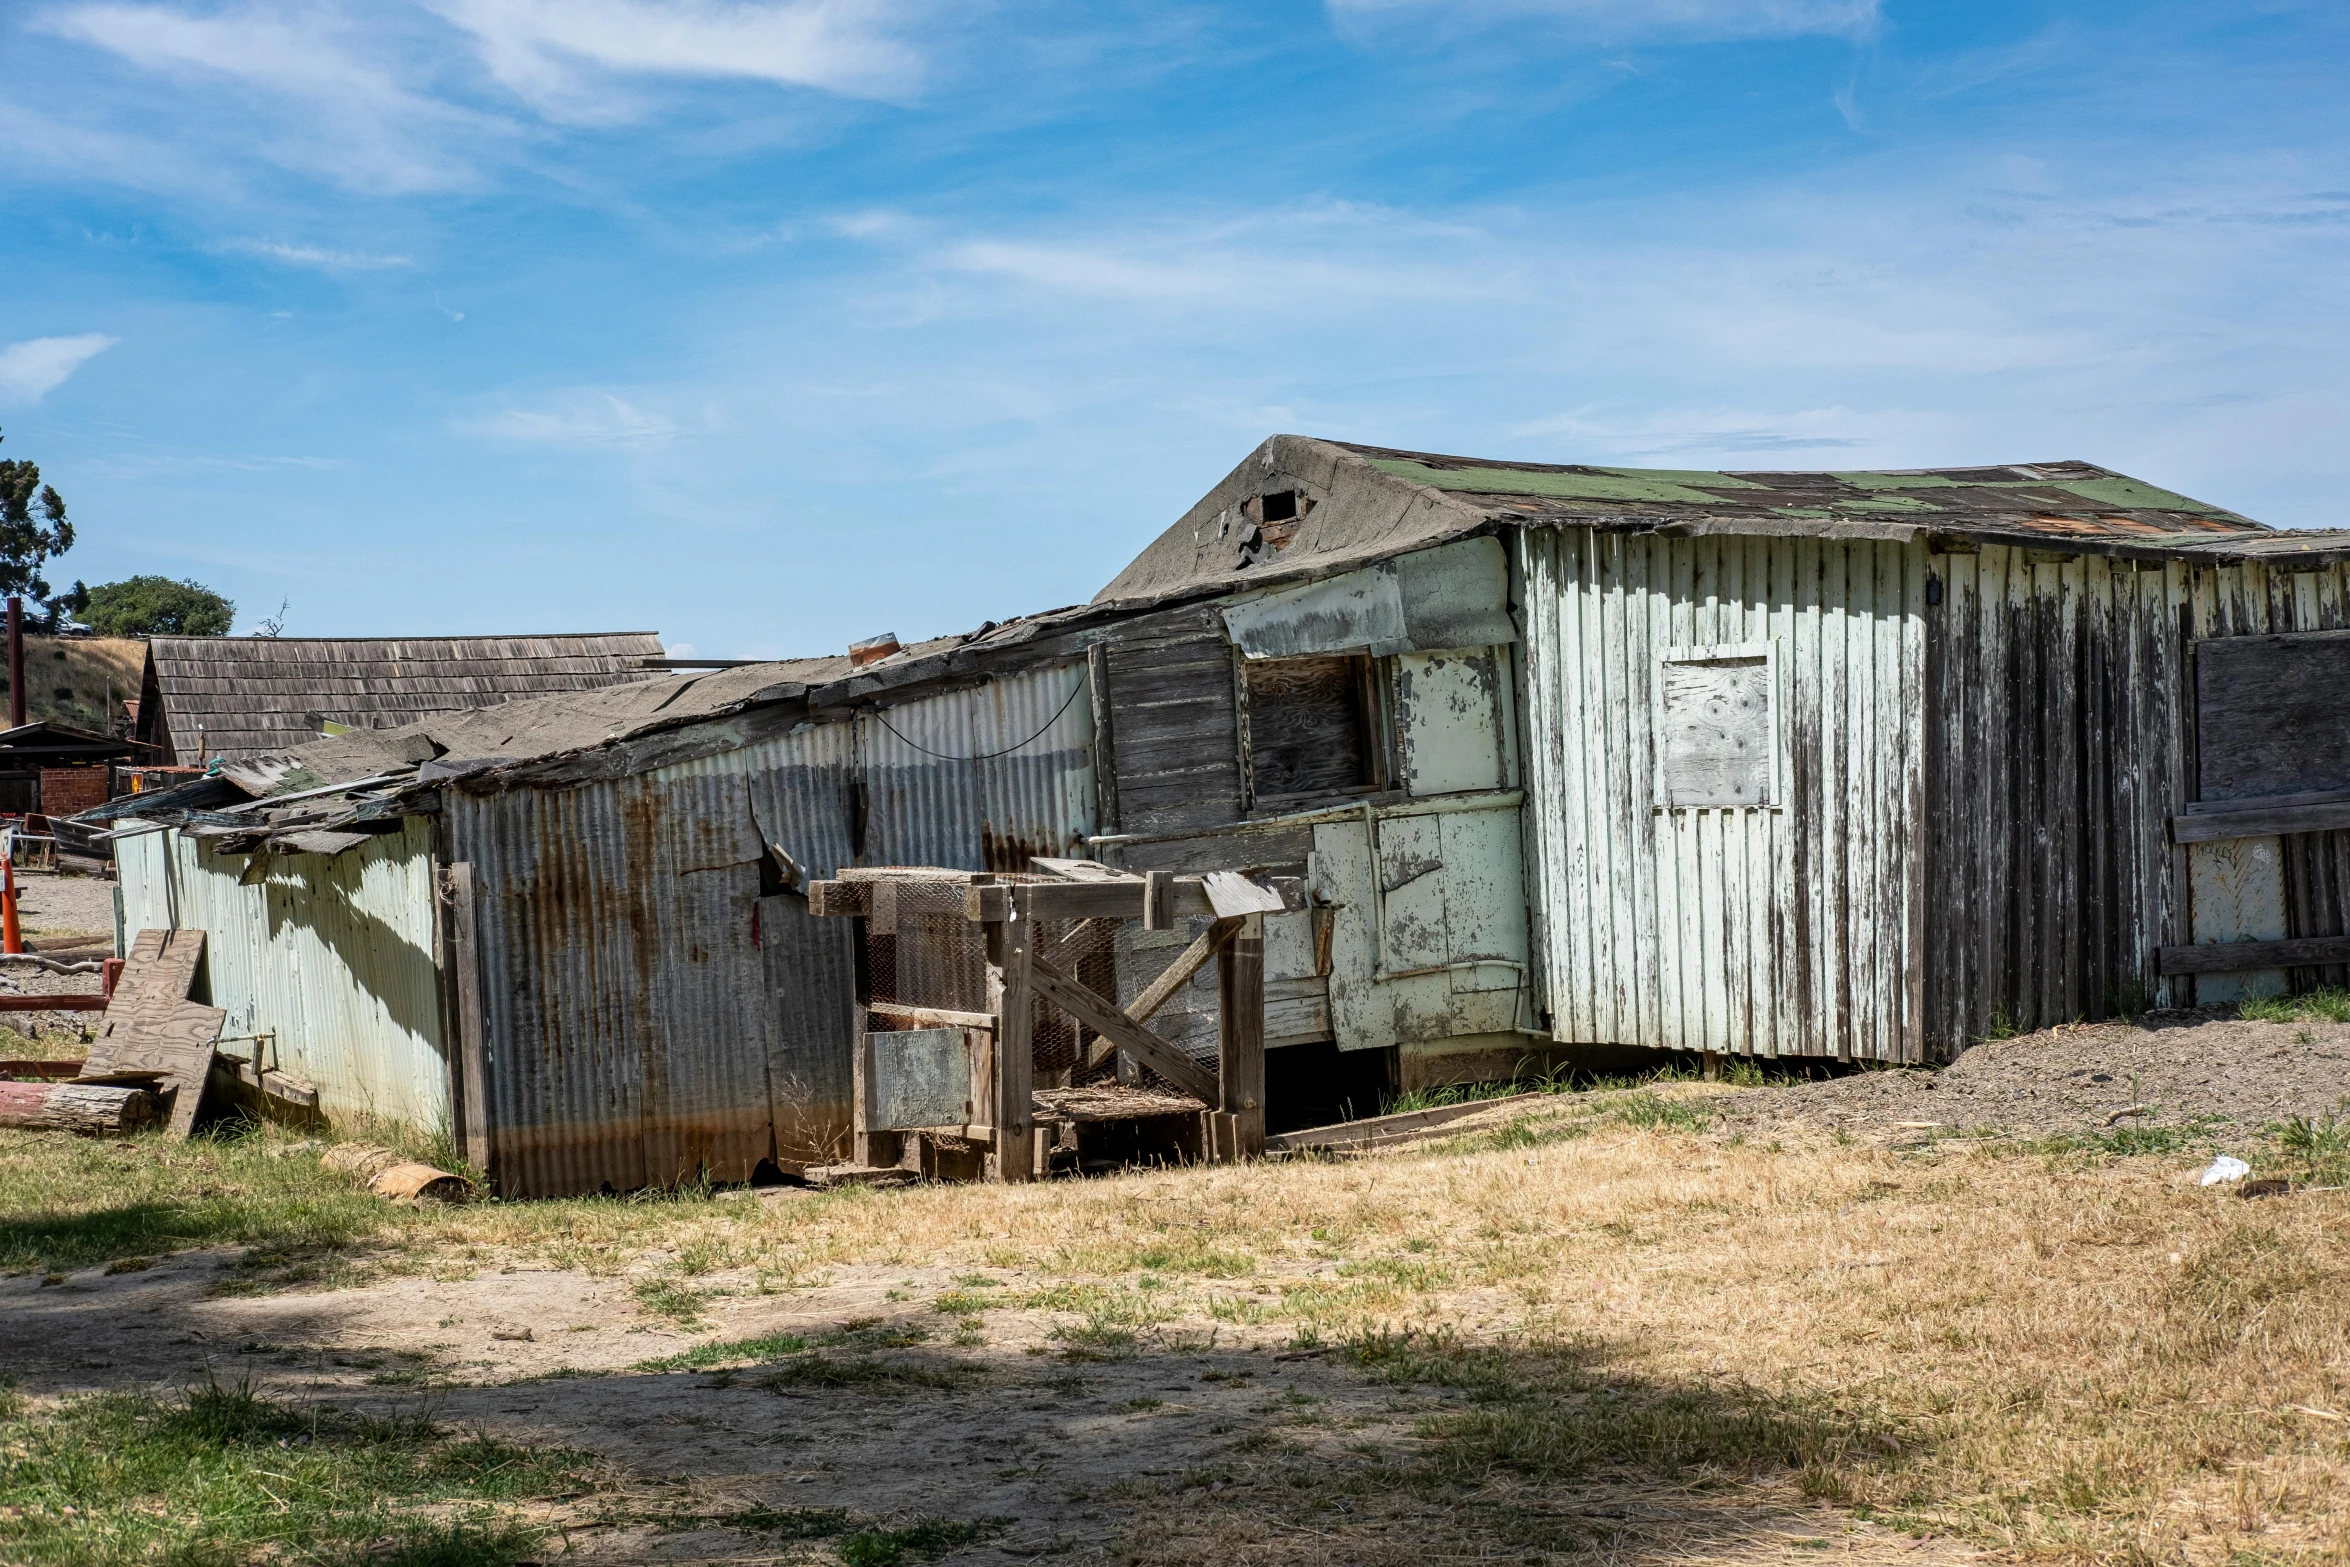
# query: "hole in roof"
{"type": "Point", "coordinates": [1281, 506]}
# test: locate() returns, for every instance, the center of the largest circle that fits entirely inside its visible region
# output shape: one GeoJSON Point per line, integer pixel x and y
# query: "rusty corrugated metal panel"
{"type": "Point", "coordinates": [335, 957]}
{"type": "Point", "coordinates": [1784, 930]}
{"type": "Point", "coordinates": [981, 779]}
{"type": "Point", "coordinates": [648, 1014]}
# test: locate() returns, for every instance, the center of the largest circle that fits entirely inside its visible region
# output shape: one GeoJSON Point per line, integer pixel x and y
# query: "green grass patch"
{"type": "Point", "coordinates": [2330, 1005]}
{"type": "Point", "coordinates": [773, 1346]}
{"type": "Point", "coordinates": [680, 1303]}
{"type": "Point", "coordinates": [219, 1475]}
{"type": "Point", "coordinates": [79, 1202]}
{"type": "Point", "coordinates": [1655, 1113]}
{"type": "Point", "coordinates": [2312, 1150]}
{"type": "Point", "coordinates": [915, 1542]}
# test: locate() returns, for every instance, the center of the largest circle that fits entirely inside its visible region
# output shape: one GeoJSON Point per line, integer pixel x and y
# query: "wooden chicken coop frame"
{"type": "Point", "coordinates": [1034, 927]}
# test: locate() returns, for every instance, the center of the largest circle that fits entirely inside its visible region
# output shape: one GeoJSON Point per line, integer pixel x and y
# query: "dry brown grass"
{"type": "Point", "coordinates": [2051, 1355]}
{"type": "Point", "coordinates": [2066, 1356]}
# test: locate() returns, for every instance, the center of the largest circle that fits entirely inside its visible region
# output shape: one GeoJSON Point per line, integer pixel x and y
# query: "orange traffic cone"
{"type": "Point", "coordinates": [11, 937]}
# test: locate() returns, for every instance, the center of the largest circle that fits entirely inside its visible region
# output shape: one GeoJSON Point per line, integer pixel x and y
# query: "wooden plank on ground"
{"type": "Point", "coordinates": [1372, 1131]}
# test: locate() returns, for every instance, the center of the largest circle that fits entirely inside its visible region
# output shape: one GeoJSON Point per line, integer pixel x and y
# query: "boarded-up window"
{"type": "Point", "coordinates": [1312, 727]}
{"type": "Point", "coordinates": [1715, 734]}
{"type": "Point", "coordinates": [2272, 715]}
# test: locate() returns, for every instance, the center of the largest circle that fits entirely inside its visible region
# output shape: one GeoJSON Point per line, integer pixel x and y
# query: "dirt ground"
{"type": "Point", "coordinates": [1204, 1442]}
{"type": "Point", "coordinates": [51, 907]}
{"type": "Point", "coordinates": [51, 904]}
{"type": "Point", "coordinates": [2183, 1070]}
{"type": "Point", "coordinates": [960, 1353]}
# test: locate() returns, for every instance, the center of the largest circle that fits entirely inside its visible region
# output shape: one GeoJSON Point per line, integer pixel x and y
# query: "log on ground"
{"type": "Point", "coordinates": [94, 1108]}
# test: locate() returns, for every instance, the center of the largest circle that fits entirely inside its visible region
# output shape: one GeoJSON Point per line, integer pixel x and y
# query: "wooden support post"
{"type": "Point", "coordinates": [1158, 900]}
{"type": "Point", "coordinates": [1013, 1109]}
{"type": "Point", "coordinates": [469, 1077]}
{"type": "Point", "coordinates": [1240, 1036]}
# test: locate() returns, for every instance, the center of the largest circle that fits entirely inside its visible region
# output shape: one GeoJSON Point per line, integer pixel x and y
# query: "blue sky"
{"type": "Point", "coordinates": [772, 325]}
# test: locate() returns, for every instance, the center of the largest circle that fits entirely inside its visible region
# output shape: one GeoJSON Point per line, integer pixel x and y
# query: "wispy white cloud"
{"type": "Point", "coordinates": [578, 418]}
{"type": "Point", "coordinates": [559, 54]}
{"type": "Point", "coordinates": [1622, 21]}
{"type": "Point", "coordinates": [320, 256]}
{"type": "Point", "coordinates": [32, 369]}
{"type": "Point", "coordinates": [338, 99]}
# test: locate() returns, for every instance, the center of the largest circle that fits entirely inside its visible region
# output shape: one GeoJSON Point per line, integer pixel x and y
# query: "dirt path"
{"type": "Point", "coordinates": [1197, 1442]}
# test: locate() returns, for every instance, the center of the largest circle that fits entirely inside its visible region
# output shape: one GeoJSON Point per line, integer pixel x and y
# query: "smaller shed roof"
{"type": "Point", "coordinates": [46, 744]}
{"type": "Point", "coordinates": [253, 695]}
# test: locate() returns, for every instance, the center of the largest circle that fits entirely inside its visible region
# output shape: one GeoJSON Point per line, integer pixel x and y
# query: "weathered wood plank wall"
{"type": "Point", "coordinates": [1787, 929]}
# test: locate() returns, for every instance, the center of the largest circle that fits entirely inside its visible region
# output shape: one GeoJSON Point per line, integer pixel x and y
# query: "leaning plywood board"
{"type": "Point", "coordinates": [153, 1030]}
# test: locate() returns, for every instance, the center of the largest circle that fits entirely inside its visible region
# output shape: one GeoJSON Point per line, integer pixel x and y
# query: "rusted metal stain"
{"type": "Point", "coordinates": [636, 1034]}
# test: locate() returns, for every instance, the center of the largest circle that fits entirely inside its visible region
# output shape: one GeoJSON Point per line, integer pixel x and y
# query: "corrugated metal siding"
{"type": "Point", "coordinates": [938, 792]}
{"type": "Point", "coordinates": [335, 956]}
{"type": "Point", "coordinates": [1781, 931]}
{"type": "Point", "coordinates": [631, 1024]}
{"type": "Point", "coordinates": [635, 1033]}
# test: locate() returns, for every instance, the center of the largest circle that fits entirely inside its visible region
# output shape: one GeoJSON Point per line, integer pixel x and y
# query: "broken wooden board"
{"type": "Point", "coordinates": [153, 1029]}
{"type": "Point", "coordinates": [1379, 1130]}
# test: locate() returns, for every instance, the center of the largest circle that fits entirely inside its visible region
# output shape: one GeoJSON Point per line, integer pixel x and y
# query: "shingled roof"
{"type": "Point", "coordinates": [1357, 503]}
{"type": "Point", "coordinates": [248, 696]}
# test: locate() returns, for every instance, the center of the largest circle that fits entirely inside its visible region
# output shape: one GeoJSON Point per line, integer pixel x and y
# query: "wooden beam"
{"type": "Point", "coordinates": [929, 1017]}
{"type": "Point", "coordinates": [1232, 895]}
{"type": "Point", "coordinates": [1240, 1035]}
{"type": "Point", "coordinates": [2234, 957]}
{"type": "Point", "coordinates": [66, 1001]}
{"type": "Point", "coordinates": [469, 1074]}
{"type": "Point", "coordinates": [1137, 1041]}
{"type": "Point", "coordinates": [2261, 822]}
{"type": "Point", "coordinates": [1178, 974]}
{"type": "Point", "coordinates": [1373, 1131]}
{"type": "Point", "coordinates": [1158, 900]}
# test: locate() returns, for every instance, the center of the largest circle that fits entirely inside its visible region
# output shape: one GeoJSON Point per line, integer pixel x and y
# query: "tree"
{"type": "Point", "coordinates": [157, 607]}
{"type": "Point", "coordinates": [25, 543]}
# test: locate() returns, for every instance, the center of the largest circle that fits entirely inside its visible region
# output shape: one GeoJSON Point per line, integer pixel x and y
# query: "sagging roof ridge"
{"type": "Point", "coordinates": [2012, 504]}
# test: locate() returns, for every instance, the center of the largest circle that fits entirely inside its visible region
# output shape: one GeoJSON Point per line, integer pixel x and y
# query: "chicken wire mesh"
{"type": "Point", "coordinates": [921, 951]}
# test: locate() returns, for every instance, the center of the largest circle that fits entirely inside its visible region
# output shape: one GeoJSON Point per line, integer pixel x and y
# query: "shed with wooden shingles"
{"type": "Point", "coordinates": [238, 697]}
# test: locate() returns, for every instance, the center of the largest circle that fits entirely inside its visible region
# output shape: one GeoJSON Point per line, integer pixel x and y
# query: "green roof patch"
{"type": "Point", "coordinates": [2124, 493]}
{"type": "Point", "coordinates": [1664, 486]}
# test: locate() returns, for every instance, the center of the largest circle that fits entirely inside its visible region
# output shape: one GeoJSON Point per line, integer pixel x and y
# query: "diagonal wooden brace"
{"type": "Point", "coordinates": [1139, 1042]}
{"type": "Point", "coordinates": [1177, 974]}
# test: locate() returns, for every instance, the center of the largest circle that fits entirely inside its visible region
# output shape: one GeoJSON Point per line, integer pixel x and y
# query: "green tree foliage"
{"type": "Point", "coordinates": [156, 607]}
{"type": "Point", "coordinates": [26, 540]}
